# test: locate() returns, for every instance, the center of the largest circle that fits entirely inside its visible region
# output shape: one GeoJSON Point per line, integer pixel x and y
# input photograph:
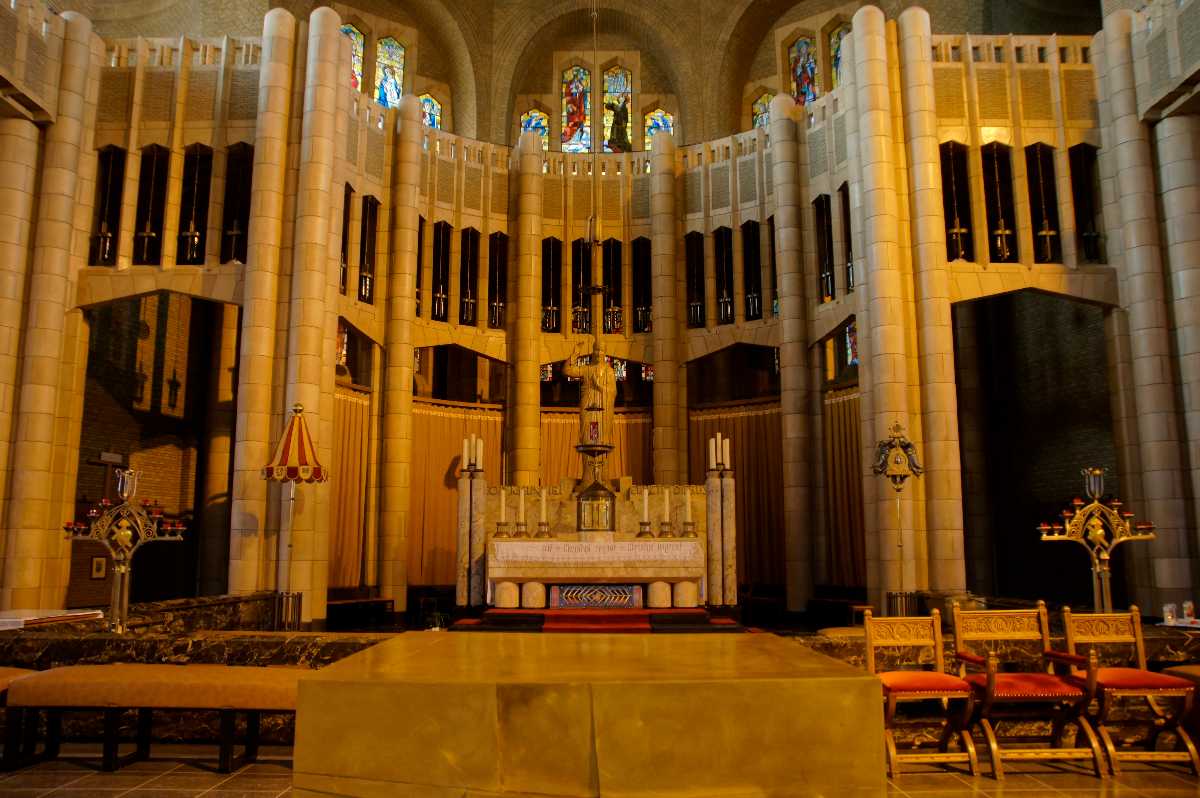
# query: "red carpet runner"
{"type": "Point", "coordinates": [572, 620]}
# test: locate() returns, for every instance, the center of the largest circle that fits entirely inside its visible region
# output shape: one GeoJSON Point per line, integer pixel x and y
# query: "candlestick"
{"type": "Point", "coordinates": [503, 502]}
{"type": "Point", "coordinates": [687, 506]}
{"type": "Point", "coordinates": [712, 454]}
{"type": "Point", "coordinates": [666, 505]}
{"type": "Point", "coordinates": [465, 456]}
{"type": "Point", "coordinates": [646, 505]}
{"type": "Point", "coordinates": [725, 458]}
{"type": "Point", "coordinates": [520, 505]}
{"type": "Point", "coordinates": [479, 453]}
{"type": "Point", "coordinates": [542, 518]}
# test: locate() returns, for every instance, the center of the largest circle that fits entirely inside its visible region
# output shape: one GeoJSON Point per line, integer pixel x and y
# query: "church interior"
{"type": "Point", "coordinates": [599, 398]}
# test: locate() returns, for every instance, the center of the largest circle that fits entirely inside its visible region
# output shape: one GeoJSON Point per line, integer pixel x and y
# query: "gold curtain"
{"type": "Point", "coordinates": [351, 422]}
{"type": "Point", "coordinates": [630, 458]}
{"type": "Point", "coordinates": [438, 431]}
{"type": "Point", "coordinates": [846, 554]}
{"type": "Point", "coordinates": [755, 434]}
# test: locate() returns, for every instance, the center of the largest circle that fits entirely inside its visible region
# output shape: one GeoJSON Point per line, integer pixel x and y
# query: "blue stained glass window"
{"type": "Point", "coordinates": [802, 63]}
{"type": "Point", "coordinates": [576, 110]}
{"type": "Point", "coordinates": [618, 96]}
{"type": "Point", "coordinates": [537, 122]}
{"type": "Point", "coordinates": [852, 344]}
{"type": "Point", "coordinates": [357, 42]}
{"type": "Point", "coordinates": [657, 120]}
{"type": "Point", "coordinates": [389, 72]}
{"type": "Point", "coordinates": [835, 54]}
{"type": "Point", "coordinates": [431, 111]}
{"type": "Point", "coordinates": [647, 372]}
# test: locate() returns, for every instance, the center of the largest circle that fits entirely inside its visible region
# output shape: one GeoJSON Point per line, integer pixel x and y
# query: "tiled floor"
{"type": "Point", "coordinates": [174, 775]}
{"type": "Point", "coordinates": [1041, 780]}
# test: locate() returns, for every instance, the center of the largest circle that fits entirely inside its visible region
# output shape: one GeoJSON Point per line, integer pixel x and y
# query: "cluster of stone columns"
{"type": "Point", "coordinates": [524, 333]}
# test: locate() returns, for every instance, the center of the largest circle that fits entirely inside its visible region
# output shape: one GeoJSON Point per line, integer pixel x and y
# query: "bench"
{"type": "Point", "coordinates": [111, 689]}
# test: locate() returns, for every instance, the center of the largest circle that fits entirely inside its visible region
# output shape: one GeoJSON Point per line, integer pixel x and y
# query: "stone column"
{"type": "Point", "coordinates": [214, 539]}
{"type": "Point", "coordinates": [715, 592]}
{"type": "Point", "coordinates": [729, 569]}
{"type": "Point", "coordinates": [398, 357]}
{"type": "Point", "coordinates": [33, 525]}
{"type": "Point", "coordinates": [793, 354]}
{"type": "Point", "coordinates": [935, 333]}
{"type": "Point", "coordinates": [664, 334]}
{"type": "Point", "coordinates": [1170, 575]}
{"type": "Point", "coordinates": [260, 292]}
{"type": "Point", "coordinates": [1177, 140]}
{"type": "Point", "coordinates": [306, 361]}
{"type": "Point", "coordinates": [18, 176]}
{"type": "Point", "coordinates": [176, 157]}
{"type": "Point", "coordinates": [524, 335]}
{"type": "Point", "coordinates": [884, 292]}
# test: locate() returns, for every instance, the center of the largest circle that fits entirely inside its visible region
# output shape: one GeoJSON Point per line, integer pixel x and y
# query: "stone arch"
{"type": "Point", "coordinates": [521, 40]}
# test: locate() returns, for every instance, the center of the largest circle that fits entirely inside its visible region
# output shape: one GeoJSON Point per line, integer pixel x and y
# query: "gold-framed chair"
{"type": "Point", "coordinates": [1168, 698]}
{"type": "Point", "coordinates": [920, 685]}
{"type": "Point", "coordinates": [1011, 696]}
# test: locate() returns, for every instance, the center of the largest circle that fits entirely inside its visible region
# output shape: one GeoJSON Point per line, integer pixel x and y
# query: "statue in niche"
{"type": "Point", "coordinates": [618, 132]}
{"type": "Point", "coordinates": [597, 389]}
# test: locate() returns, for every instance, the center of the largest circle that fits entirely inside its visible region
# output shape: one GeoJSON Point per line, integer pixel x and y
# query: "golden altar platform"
{"type": "Point", "coordinates": [440, 714]}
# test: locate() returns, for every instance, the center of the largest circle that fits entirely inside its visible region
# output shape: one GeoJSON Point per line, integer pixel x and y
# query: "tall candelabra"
{"type": "Point", "coordinates": [122, 529]}
{"type": "Point", "coordinates": [1099, 527]}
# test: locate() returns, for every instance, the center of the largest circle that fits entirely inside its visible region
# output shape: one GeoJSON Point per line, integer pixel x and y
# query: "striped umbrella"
{"type": "Point", "coordinates": [295, 458]}
{"type": "Point", "coordinates": [295, 461]}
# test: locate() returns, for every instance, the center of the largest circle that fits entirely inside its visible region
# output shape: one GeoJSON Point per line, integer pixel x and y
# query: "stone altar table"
{"type": "Point", "coordinates": [439, 714]}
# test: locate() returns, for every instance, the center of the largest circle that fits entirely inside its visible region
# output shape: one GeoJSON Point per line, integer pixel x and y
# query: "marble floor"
{"type": "Point", "coordinates": [189, 772]}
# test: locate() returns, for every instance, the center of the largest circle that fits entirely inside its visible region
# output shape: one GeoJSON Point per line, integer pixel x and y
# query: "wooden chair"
{"type": "Point", "coordinates": [1169, 698]}
{"type": "Point", "coordinates": [920, 685]}
{"type": "Point", "coordinates": [1004, 696]}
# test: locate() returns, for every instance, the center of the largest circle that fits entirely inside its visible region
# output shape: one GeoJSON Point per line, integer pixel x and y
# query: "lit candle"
{"type": "Point", "coordinates": [479, 453]}
{"type": "Point", "coordinates": [712, 454]}
{"type": "Point", "coordinates": [725, 458]}
{"type": "Point", "coordinates": [543, 517]}
{"type": "Point", "coordinates": [666, 504]}
{"type": "Point", "coordinates": [520, 505]}
{"type": "Point", "coordinates": [503, 502]}
{"type": "Point", "coordinates": [719, 461]}
{"type": "Point", "coordinates": [646, 505]}
{"type": "Point", "coordinates": [466, 447]}
{"type": "Point", "coordinates": [687, 506]}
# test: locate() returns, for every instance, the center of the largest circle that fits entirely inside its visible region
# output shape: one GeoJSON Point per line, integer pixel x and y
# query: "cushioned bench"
{"type": "Point", "coordinates": [111, 689]}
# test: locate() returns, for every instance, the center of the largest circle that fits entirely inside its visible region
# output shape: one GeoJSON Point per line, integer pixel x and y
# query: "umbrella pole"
{"type": "Point", "coordinates": [288, 603]}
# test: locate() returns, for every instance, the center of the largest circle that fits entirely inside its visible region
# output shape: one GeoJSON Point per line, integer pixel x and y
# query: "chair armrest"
{"type": "Point", "coordinates": [1063, 658]}
{"type": "Point", "coordinates": [970, 659]}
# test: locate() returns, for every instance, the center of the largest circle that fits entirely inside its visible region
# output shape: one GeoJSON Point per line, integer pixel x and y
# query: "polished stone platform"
{"type": "Point", "coordinates": [438, 715]}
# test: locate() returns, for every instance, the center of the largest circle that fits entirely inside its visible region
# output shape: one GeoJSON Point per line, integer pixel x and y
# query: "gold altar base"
{"type": "Point", "coordinates": [437, 715]}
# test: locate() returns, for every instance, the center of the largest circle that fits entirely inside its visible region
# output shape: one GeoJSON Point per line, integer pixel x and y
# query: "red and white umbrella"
{"type": "Point", "coordinates": [295, 461]}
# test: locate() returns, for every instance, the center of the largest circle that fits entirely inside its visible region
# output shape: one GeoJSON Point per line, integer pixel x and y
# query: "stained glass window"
{"type": "Point", "coordinates": [620, 367]}
{"type": "Point", "coordinates": [389, 72]}
{"type": "Point", "coordinates": [576, 110]}
{"type": "Point", "coordinates": [802, 61]}
{"type": "Point", "coordinates": [760, 110]}
{"type": "Point", "coordinates": [547, 372]}
{"type": "Point", "coordinates": [657, 120]}
{"type": "Point", "coordinates": [618, 96]}
{"type": "Point", "coordinates": [537, 122]}
{"type": "Point", "coordinates": [357, 42]}
{"type": "Point", "coordinates": [647, 372]}
{"type": "Point", "coordinates": [852, 344]}
{"type": "Point", "coordinates": [431, 111]}
{"type": "Point", "coordinates": [835, 54]}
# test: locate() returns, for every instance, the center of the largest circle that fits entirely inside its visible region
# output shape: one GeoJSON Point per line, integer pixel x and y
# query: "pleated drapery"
{"type": "Point", "coordinates": [438, 431]}
{"type": "Point", "coordinates": [756, 435]}
{"type": "Point", "coordinates": [629, 458]}
{"type": "Point", "coordinates": [347, 528]}
{"type": "Point", "coordinates": [846, 555]}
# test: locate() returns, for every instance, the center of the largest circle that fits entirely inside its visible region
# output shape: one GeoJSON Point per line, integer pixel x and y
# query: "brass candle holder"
{"type": "Point", "coordinates": [689, 529]}
{"type": "Point", "coordinates": [644, 530]}
{"type": "Point", "coordinates": [665, 530]}
{"type": "Point", "coordinates": [522, 530]}
{"type": "Point", "coordinates": [543, 530]}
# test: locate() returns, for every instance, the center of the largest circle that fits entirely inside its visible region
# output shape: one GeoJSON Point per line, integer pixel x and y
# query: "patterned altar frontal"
{"type": "Point", "coordinates": [596, 597]}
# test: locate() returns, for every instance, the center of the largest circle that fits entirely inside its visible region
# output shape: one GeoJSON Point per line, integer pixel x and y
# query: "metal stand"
{"type": "Point", "coordinates": [287, 611]}
{"type": "Point", "coordinates": [543, 530]}
{"type": "Point", "coordinates": [665, 530]}
{"type": "Point", "coordinates": [644, 530]}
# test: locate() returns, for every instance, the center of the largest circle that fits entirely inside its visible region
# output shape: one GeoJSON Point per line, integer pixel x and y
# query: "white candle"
{"type": "Point", "coordinates": [479, 453]}
{"type": "Point", "coordinates": [667, 504]}
{"type": "Point", "coordinates": [725, 458]}
{"type": "Point", "coordinates": [712, 454]}
{"type": "Point", "coordinates": [687, 506]}
{"type": "Point", "coordinates": [646, 505]}
{"type": "Point", "coordinates": [520, 505]}
{"type": "Point", "coordinates": [543, 518]}
{"type": "Point", "coordinates": [719, 461]}
{"type": "Point", "coordinates": [503, 502]}
{"type": "Point", "coordinates": [465, 464]}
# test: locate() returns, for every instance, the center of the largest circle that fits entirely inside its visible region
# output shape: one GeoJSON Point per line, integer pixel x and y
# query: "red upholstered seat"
{"type": "Point", "coordinates": [922, 682]}
{"type": "Point", "coordinates": [1133, 679]}
{"type": "Point", "coordinates": [1016, 686]}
